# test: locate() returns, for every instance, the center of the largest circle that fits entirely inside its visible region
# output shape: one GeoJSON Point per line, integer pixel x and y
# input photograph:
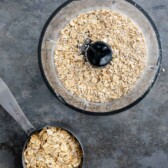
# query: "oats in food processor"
{"type": "Point", "coordinates": [117, 78]}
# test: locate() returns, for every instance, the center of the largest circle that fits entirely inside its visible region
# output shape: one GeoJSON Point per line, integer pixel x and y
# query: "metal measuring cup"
{"type": "Point", "coordinates": [9, 103]}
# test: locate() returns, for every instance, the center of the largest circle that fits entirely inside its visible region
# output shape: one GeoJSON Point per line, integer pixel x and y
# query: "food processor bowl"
{"type": "Point", "coordinates": [71, 9]}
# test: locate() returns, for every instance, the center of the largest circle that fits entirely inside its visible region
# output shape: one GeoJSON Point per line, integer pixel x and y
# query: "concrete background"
{"type": "Point", "coordinates": [136, 138]}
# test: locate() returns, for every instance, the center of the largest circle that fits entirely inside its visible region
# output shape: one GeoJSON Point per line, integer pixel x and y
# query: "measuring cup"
{"type": "Point", "coordinates": [9, 103]}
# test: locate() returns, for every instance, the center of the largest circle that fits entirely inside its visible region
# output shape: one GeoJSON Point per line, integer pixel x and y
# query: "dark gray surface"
{"type": "Point", "coordinates": [136, 138]}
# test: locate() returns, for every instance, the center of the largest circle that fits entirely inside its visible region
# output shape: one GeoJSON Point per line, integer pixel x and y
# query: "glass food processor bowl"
{"type": "Point", "coordinates": [71, 9]}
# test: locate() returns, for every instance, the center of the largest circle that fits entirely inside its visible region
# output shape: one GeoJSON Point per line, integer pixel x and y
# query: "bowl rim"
{"type": "Point", "coordinates": [91, 112]}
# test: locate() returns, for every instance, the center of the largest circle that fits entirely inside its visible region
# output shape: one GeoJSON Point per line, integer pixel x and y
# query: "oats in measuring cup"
{"type": "Point", "coordinates": [119, 77]}
{"type": "Point", "coordinates": [53, 148]}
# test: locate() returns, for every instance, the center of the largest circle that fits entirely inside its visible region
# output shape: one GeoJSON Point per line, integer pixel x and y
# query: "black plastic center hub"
{"type": "Point", "coordinates": [99, 54]}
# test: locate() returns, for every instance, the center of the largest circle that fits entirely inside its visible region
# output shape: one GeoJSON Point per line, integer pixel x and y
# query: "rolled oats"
{"type": "Point", "coordinates": [53, 148]}
{"type": "Point", "coordinates": [119, 77]}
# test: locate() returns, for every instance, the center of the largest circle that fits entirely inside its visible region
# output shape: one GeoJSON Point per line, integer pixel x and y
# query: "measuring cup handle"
{"type": "Point", "coordinates": [9, 103]}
